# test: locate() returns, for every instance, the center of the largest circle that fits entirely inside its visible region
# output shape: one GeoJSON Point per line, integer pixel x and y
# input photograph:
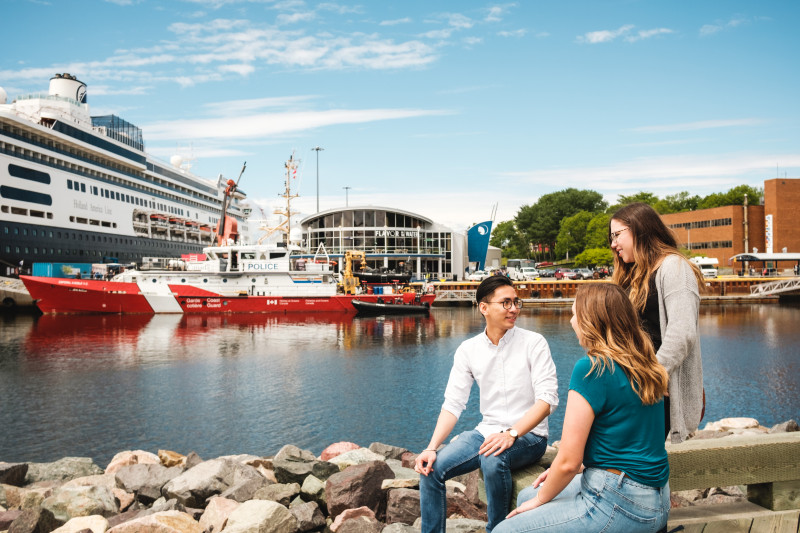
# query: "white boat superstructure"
{"type": "Point", "coordinates": [77, 188]}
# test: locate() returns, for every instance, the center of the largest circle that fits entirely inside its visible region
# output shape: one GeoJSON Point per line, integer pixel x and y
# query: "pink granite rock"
{"type": "Point", "coordinates": [337, 448]}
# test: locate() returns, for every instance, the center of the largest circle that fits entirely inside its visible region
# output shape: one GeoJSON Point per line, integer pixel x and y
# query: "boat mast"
{"type": "Point", "coordinates": [285, 226]}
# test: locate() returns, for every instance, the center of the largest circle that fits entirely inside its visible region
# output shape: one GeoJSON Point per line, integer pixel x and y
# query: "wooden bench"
{"type": "Point", "coordinates": [768, 465]}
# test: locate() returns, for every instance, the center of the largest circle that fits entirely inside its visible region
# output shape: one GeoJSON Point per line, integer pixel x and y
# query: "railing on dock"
{"type": "Point", "coordinates": [775, 287]}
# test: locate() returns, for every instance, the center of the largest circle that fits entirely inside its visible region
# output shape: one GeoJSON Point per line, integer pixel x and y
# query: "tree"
{"type": "Point", "coordinates": [677, 203]}
{"type": "Point", "coordinates": [592, 257]}
{"type": "Point", "coordinates": [541, 222]}
{"type": "Point", "coordinates": [508, 238]}
{"type": "Point", "coordinates": [641, 196]}
{"type": "Point", "coordinates": [597, 231]}
{"type": "Point", "coordinates": [734, 196]}
{"type": "Point", "coordinates": [572, 235]}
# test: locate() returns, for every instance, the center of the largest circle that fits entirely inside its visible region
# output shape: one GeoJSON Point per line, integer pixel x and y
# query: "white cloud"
{"type": "Point", "coordinates": [293, 18]}
{"type": "Point", "coordinates": [269, 124]}
{"type": "Point", "coordinates": [711, 29]}
{"type": "Point", "coordinates": [241, 107]}
{"type": "Point", "coordinates": [514, 33]}
{"type": "Point", "coordinates": [241, 69]}
{"type": "Point", "coordinates": [473, 40]}
{"type": "Point", "coordinates": [700, 125]}
{"type": "Point", "coordinates": [394, 22]}
{"type": "Point", "coordinates": [606, 36]}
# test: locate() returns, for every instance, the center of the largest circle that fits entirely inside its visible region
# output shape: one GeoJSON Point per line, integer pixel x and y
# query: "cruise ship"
{"type": "Point", "coordinates": [76, 188]}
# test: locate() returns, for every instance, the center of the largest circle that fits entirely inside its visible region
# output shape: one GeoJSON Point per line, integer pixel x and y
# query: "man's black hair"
{"type": "Point", "coordinates": [491, 284]}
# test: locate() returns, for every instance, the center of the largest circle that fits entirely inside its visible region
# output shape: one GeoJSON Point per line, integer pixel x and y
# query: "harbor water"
{"type": "Point", "coordinates": [218, 385]}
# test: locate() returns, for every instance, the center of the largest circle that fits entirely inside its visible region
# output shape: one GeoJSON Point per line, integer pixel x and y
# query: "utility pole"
{"type": "Point", "coordinates": [346, 196]}
{"type": "Point", "coordinates": [317, 149]}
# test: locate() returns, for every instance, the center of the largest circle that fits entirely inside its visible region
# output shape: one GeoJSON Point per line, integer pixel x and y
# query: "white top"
{"type": "Point", "coordinates": [511, 377]}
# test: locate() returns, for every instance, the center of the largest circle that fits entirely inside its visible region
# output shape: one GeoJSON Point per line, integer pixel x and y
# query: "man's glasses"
{"type": "Point", "coordinates": [615, 235]}
{"type": "Point", "coordinates": [508, 302]}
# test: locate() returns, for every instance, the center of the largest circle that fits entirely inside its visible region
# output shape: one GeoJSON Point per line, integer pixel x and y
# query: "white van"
{"type": "Point", "coordinates": [708, 265]}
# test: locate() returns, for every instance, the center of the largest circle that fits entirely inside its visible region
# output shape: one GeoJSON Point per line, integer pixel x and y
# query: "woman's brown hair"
{"type": "Point", "coordinates": [610, 332]}
{"type": "Point", "coordinates": [652, 242]}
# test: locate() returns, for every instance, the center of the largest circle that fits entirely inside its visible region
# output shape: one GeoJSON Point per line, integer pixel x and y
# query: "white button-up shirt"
{"type": "Point", "coordinates": [511, 376]}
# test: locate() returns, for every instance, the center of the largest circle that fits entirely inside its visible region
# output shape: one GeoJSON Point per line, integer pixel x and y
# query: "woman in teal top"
{"type": "Point", "coordinates": [611, 471]}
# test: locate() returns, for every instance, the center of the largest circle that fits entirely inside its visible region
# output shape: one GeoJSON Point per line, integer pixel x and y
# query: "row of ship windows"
{"type": "Point", "coordinates": [59, 251]}
{"type": "Point", "coordinates": [711, 244]}
{"type": "Point", "coordinates": [26, 212]}
{"type": "Point", "coordinates": [122, 197]}
{"type": "Point", "coordinates": [704, 223]}
{"type": "Point", "coordinates": [67, 235]}
{"type": "Point", "coordinates": [31, 155]}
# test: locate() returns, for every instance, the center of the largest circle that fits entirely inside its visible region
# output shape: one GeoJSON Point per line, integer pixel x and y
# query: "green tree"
{"type": "Point", "coordinates": [677, 203]}
{"type": "Point", "coordinates": [508, 238]}
{"type": "Point", "coordinates": [591, 257]}
{"type": "Point", "coordinates": [597, 231]}
{"type": "Point", "coordinates": [641, 196]}
{"type": "Point", "coordinates": [541, 222]}
{"type": "Point", "coordinates": [734, 196]}
{"type": "Point", "coordinates": [571, 238]}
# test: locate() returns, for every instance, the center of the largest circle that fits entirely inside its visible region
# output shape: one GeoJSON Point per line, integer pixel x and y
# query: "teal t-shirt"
{"type": "Point", "coordinates": [626, 434]}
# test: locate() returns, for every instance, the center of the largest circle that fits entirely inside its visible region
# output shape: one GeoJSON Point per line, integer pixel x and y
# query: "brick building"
{"type": "Point", "coordinates": [723, 232]}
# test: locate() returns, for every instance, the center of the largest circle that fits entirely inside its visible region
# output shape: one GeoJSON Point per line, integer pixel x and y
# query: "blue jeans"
{"type": "Point", "coordinates": [596, 500]}
{"type": "Point", "coordinates": [461, 457]}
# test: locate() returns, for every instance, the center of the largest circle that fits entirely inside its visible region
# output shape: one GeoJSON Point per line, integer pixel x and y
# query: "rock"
{"type": "Point", "coordinates": [470, 484]}
{"type": "Point", "coordinates": [459, 504]}
{"type": "Point", "coordinates": [128, 515]}
{"type": "Point", "coordinates": [13, 473]}
{"type": "Point", "coordinates": [362, 524]}
{"type": "Point", "coordinates": [62, 470]}
{"type": "Point", "coordinates": [308, 516]}
{"type": "Point", "coordinates": [207, 479]}
{"type": "Point", "coordinates": [408, 459]}
{"type": "Point", "coordinates": [465, 525]}
{"type": "Point", "coordinates": [145, 480]}
{"type": "Point", "coordinates": [216, 514]}
{"type": "Point", "coordinates": [356, 457]}
{"type": "Point", "coordinates": [69, 502]}
{"type": "Point", "coordinates": [350, 514]}
{"type": "Point", "coordinates": [387, 451]}
{"type": "Point", "coordinates": [785, 427]}
{"type": "Point", "coordinates": [283, 493]}
{"type": "Point", "coordinates": [246, 488]}
{"type": "Point", "coordinates": [32, 496]}
{"type": "Point", "coordinates": [401, 483]}
{"type": "Point", "coordinates": [163, 522]}
{"type": "Point", "coordinates": [313, 490]}
{"type": "Point", "coordinates": [732, 423]}
{"type": "Point", "coordinates": [94, 523]}
{"type": "Point", "coordinates": [297, 501]}
{"type": "Point", "coordinates": [6, 517]}
{"type": "Point", "coordinates": [292, 465]}
{"type": "Point", "coordinates": [397, 527]}
{"type": "Point", "coordinates": [124, 499]}
{"type": "Point", "coordinates": [261, 516]}
{"type": "Point", "coordinates": [400, 471]}
{"type": "Point", "coordinates": [131, 457]}
{"type": "Point", "coordinates": [34, 521]}
{"type": "Point", "coordinates": [702, 434]}
{"type": "Point", "coordinates": [101, 480]}
{"type": "Point", "coordinates": [337, 449]}
{"type": "Point", "coordinates": [402, 505]}
{"type": "Point", "coordinates": [169, 458]}
{"type": "Point", "coordinates": [192, 460]}
{"type": "Point", "coordinates": [357, 486]}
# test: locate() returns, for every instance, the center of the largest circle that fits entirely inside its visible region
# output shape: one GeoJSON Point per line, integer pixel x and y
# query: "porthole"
{"type": "Point", "coordinates": [183, 280]}
{"type": "Point", "coordinates": [205, 280]}
{"type": "Point", "coordinates": [224, 280]}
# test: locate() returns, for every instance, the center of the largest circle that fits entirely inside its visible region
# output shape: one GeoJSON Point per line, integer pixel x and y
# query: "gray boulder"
{"type": "Point", "coordinates": [35, 521]}
{"type": "Point", "coordinates": [193, 487]}
{"type": "Point", "coordinates": [357, 486]}
{"type": "Point", "coordinates": [261, 516]}
{"type": "Point", "coordinates": [360, 524]}
{"type": "Point", "coordinates": [13, 473]}
{"type": "Point", "coordinates": [62, 470]}
{"type": "Point", "coordinates": [309, 516]}
{"type": "Point", "coordinates": [246, 489]}
{"type": "Point", "coordinates": [292, 465]}
{"type": "Point", "coordinates": [402, 505]}
{"type": "Point", "coordinates": [397, 527]}
{"type": "Point", "coordinates": [145, 480]}
{"type": "Point", "coordinates": [69, 502]}
{"type": "Point", "coordinates": [283, 493]}
{"type": "Point", "coordinates": [387, 450]}
{"type": "Point", "coordinates": [313, 490]}
{"type": "Point", "coordinates": [785, 427]}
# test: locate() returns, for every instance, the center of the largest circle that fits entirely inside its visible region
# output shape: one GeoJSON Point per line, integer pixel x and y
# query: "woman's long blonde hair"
{"type": "Point", "coordinates": [652, 242]}
{"type": "Point", "coordinates": [610, 331]}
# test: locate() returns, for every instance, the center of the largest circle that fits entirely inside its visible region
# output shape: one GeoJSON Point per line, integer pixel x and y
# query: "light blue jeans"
{"type": "Point", "coordinates": [596, 500]}
{"type": "Point", "coordinates": [461, 457]}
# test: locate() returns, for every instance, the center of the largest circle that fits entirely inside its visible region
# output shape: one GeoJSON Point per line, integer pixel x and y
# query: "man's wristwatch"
{"type": "Point", "coordinates": [512, 432]}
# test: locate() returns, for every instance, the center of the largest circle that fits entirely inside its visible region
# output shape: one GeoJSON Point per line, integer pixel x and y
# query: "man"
{"type": "Point", "coordinates": [518, 390]}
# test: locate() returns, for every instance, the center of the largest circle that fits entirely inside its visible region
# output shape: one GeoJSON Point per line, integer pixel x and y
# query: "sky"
{"type": "Point", "coordinates": [451, 110]}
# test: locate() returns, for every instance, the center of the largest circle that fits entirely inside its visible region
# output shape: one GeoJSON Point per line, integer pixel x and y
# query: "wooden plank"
{"type": "Point", "coordinates": [702, 514]}
{"type": "Point", "coordinates": [778, 496]}
{"type": "Point", "coordinates": [734, 460]}
{"type": "Point", "coordinates": [737, 525]}
{"type": "Point", "coordinates": [777, 523]}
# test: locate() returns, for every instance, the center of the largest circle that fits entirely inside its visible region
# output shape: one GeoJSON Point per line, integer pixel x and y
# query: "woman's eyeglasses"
{"type": "Point", "coordinates": [508, 302]}
{"type": "Point", "coordinates": [615, 235]}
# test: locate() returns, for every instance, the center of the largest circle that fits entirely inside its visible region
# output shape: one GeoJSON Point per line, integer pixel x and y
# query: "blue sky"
{"type": "Point", "coordinates": [439, 108]}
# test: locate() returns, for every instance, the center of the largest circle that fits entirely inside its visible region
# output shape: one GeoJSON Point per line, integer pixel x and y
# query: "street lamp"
{"type": "Point", "coordinates": [346, 196]}
{"type": "Point", "coordinates": [317, 149]}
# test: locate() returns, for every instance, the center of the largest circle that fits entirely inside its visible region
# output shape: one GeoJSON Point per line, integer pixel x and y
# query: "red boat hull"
{"type": "Point", "coordinates": [59, 295]}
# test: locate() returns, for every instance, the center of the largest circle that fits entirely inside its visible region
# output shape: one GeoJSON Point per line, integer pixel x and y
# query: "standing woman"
{"type": "Point", "coordinates": [664, 288]}
{"type": "Point", "coordinates": [611, 472]}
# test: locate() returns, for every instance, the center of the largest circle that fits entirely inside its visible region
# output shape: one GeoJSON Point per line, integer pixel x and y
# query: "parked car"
{"type": "Point", "coordinates": [547, 272]}
{"type": "Point", "coordinates": [529, 273]}
{"type": "Point", "coordinates": [479, 275]}
{"type": "Point", "coordinates": [564, 273]}
{"type": "Point", "coordinates": [583, 273]}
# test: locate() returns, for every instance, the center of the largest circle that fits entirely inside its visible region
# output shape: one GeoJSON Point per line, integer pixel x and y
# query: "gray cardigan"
{"type": "Point", "coordinates": [679, 308]}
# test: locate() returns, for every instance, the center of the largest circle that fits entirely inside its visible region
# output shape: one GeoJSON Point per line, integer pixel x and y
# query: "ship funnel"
{"type": "Point", "coordinates": [68, 86]}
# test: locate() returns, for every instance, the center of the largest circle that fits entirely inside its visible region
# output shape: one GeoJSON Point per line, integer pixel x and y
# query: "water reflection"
{"type": "Point", "coordinates": [249, 383]}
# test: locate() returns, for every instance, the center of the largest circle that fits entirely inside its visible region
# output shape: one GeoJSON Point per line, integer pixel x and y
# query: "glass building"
{"type": "Point", "coordinates": [390, 238]}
